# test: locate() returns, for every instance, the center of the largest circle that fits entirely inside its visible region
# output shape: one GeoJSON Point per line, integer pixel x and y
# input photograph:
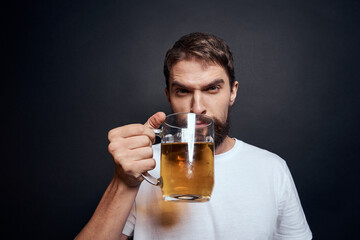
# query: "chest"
{"type": "Point", "coordinates": [242, 204]}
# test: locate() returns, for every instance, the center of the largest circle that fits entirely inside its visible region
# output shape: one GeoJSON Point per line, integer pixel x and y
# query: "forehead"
{"type": "Point", "coordinates": [196, 73]}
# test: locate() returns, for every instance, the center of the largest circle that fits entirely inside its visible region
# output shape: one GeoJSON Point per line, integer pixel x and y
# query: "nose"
{"type": "Point", "coordinates": [197, 104]}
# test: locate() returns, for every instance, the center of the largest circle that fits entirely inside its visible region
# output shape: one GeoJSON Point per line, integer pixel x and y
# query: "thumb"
{"type": "Point", "coordinates": [156, 120]}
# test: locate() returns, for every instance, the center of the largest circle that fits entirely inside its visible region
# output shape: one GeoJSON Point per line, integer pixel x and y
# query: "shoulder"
{"type": "Point", "coordinates": [259, 153]}
{"type": "Point", "coordinates": [260, 158]}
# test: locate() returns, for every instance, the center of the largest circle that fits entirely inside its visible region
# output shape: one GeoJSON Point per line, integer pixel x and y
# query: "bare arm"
{"type": "Point", "coordinates": [131, 149]}
{"type": "Point", "coordinates": [111, 214]}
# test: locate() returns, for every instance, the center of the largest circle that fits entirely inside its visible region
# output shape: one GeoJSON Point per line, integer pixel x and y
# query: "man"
{"type": "Point", "coordinates": [254, 196]}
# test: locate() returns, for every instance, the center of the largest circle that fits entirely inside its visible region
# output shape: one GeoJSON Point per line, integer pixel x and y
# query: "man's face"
{"type": "Point", "coordinates": [202, 89]}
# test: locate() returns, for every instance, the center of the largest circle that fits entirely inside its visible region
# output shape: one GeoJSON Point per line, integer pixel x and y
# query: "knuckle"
{"type": "Point", "coordinates": [127, 167]}
{"type": "Point", "coordinates": [111, 134]}
{"type": "Point", "coordinates": [115, 146]}
{"type": "Point", "coordinates": [111, 147]}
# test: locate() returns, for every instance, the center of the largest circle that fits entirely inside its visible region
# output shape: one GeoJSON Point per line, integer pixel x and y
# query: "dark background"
{"type": "Point", "coordinates": [73, 70]}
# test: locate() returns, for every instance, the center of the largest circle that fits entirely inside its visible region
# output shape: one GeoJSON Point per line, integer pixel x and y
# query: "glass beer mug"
{"type": "Point", "coordinates": [187, 158]}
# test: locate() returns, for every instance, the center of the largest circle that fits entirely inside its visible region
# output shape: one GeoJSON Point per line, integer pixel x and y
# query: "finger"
{"type": "Point", "coordinates": [131, 143]}
{"type": "Point", "coordinates": [133, 155]}
{"type": "Point", "coordinates": [136, 168]}
{"type": "Point", "coordinates": [129, 131]}
{"type": "Point", "coordinates": [138, 142]}
{"type": "Point", "coordinates": [146, 164]}
{"type": "Point", "coordinates": [156, 120]}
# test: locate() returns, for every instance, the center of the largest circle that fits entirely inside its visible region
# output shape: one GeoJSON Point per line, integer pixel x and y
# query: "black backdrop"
{"type": "Point", "coordinates": [75, 69]}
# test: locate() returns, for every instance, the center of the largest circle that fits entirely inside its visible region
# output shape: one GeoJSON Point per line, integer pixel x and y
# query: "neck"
{"type": "Point", "coordinates": [225, 146]}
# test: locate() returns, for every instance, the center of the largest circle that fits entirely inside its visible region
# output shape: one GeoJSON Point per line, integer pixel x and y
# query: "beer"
{"type": "Point", "coordinates": [187, 171]}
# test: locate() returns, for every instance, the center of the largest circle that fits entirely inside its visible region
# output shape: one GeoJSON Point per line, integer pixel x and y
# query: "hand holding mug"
{"type": "Point", "coordinates": [131, 149]}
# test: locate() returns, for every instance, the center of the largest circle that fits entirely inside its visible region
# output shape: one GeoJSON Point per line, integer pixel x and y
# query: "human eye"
{"type": "Point", "coordinates": [181, 91]}
{"type": "Point", "coordinates": [213, 89]}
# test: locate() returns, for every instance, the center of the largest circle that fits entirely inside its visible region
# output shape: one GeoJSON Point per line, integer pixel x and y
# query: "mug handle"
{"type": "Point", "coordinates": [150, 179]}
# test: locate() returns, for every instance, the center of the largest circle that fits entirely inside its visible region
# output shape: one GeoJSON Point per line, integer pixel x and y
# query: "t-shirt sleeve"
{"type": "Point", "coordinates": [130, 222]}
{"type": "Point", "coordinates": [291, 221]}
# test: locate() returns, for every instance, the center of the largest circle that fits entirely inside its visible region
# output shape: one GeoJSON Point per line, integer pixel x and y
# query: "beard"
{"type": "Point", "coordinates": [222, 130]}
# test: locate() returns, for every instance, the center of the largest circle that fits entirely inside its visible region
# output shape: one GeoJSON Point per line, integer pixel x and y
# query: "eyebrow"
{"type": "Point", "coordinates": [213, 83]}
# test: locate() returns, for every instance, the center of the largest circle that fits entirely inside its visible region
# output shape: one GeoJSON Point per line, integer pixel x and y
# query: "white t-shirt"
{"type": "Point", "coordinates": [254, 197]}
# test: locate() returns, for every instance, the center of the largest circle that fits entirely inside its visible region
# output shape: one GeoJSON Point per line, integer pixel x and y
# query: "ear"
{"type": "Point", "coordinates": [233, 93]}
{"type": "Point", "coordinates": [167, 95]}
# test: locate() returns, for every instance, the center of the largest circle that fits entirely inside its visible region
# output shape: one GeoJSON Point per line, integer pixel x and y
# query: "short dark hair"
{"type": "Point", "coordinates": [203, 46]}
